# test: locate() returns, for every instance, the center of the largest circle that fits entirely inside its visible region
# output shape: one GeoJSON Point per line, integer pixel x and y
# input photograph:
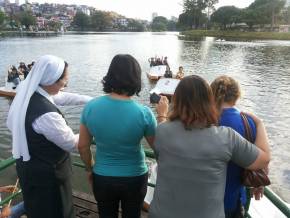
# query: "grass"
{"type": "Point", "coordinates": [193, 34]}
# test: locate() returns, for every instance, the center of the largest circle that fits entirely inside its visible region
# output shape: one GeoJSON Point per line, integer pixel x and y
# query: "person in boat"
{"type": "Point", "coordinates": [168, 73]}
{"type": "Point", "coordinates": [23, 69]}
{"type": "Point", "coordinates": [15, 211]}
{"type": "Point", "coordinates": [120, 173]}
{"type": "Point", "coordinates": [152, 62]}
{"type": "Point", "coordinates": [158, 61]}
{"type": "Point", "coordinates": [42, 140]}
{"type": "Point", "coordinates": [180, 73]}
{"type": "Point", "coordinates": [226, 93]}
{"type": "Point", "coordinates": [193, 153]}
{"type": "Point", "coordinates": [165, 61]}
{"type": "Point", "coordinates": [29, 67]}
{"type": "Point", "coordinates": [13, 76]}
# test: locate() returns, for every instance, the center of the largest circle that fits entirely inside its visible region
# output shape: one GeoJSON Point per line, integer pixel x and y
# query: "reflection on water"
{"type": "Point", "coordinates": [262, 67]}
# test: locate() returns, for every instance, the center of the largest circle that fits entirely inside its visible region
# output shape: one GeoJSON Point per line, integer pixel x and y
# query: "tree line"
{"type": "Point", "coordinates": [197, 14]}
{"type": "Point", "coordinates": [102, 21]}
{"type": "Point", "coordinates": [22, 18]}
{"type": "Point", "coordinates": [201, 14]}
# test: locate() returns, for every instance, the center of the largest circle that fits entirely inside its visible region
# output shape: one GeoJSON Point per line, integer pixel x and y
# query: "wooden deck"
{"type": "Point", "coordinates": [86, 206]}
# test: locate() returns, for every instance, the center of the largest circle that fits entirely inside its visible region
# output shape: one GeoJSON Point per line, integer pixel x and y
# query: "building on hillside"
{"type": "Point", "coordinates": [284, 28]}
{"type": "Point", "coordinates": [154, 14]}
{"type": "Point", "coordinates": [122, 22]}
{"type": "Point", "coordinates": [84, 9]}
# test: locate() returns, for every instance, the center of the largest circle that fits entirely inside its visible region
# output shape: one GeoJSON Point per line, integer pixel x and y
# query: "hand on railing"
{"type": "Point", "coordinates": [257, 193]}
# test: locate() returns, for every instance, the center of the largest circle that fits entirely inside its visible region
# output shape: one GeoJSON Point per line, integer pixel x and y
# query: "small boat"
{"type": "Point", "coordinates": [9, 90]}
{"type": "Point", "coordinates": [9, 93]}
{"type": "Point", "coordinates": [165, 86]}
{"type": "Point", "coordinates": [156, 72]}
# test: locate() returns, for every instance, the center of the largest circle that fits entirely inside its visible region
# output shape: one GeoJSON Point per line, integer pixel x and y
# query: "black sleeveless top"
{"type": "Point", "coordinates": [39, 147]}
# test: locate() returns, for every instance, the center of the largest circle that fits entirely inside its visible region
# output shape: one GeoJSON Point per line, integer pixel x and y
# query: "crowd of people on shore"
{"type": "Point", "coordinates": [198, 142]}
{"type": "Point", "coordinates": [15, 75]}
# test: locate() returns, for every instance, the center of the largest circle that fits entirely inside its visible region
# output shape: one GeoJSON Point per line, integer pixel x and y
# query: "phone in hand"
{"type": "Point", "coordinates": [154, 98]}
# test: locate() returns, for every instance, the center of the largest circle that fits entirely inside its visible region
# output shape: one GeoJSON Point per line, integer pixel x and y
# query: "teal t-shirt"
{"type": "Point", "coordinates": [118, 127]}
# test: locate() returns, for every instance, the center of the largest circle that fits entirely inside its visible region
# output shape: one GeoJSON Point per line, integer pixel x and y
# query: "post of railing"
{"type": "Point", "coordinates": [6, 163]}
{"type": "Point", "coordinates": [277, 202]}
{"type": "Point", "coordinates": [3, 165]}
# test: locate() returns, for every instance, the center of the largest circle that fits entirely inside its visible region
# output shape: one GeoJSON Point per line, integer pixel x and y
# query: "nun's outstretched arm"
{"type": "Point", "coordinates": [67, 98]}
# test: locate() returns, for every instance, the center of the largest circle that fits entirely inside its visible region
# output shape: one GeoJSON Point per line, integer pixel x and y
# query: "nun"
{"type": "Point", "coordinates": [42, 140]}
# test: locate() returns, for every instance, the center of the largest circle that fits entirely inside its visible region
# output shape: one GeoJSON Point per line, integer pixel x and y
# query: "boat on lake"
{"type": "Point", "coordinates": [9, 90]}
{"type": "Point", "coordinates": [165, 86]}
{"type": "Point", "coordinates": [156, 72]}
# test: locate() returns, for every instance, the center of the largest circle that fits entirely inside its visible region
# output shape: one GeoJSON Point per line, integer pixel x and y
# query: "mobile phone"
{"type": "Point", "coordinates": [154, 98]}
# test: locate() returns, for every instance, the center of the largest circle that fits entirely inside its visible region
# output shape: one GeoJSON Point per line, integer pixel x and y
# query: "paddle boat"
{"type": "Point", "coordinates": [156, 72]}
{"type": "Point", "coordinates": [9, 90]}
{"type": "Point", "coordinates": [165, 86]}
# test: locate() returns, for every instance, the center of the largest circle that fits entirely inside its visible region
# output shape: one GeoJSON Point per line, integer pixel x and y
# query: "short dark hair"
{"type": "Point", "coordinates": [193, 103]}
{"type": "Point", "coordinates": [124, 76]}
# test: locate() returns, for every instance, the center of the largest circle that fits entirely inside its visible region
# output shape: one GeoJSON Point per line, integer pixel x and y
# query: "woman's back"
{"type": "Point", "coordinates": [234, 193]}
{"type": "Point", "coordinates": [118, 126]}
{"type": "Point", "coordinates": [192, 169]}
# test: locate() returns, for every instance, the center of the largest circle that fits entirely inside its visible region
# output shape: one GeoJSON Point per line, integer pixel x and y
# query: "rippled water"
{"type": "Point", "coordinates": [262, 67]}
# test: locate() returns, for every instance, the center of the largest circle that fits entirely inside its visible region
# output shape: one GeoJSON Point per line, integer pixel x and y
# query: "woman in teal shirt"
{"type": "Point", "coordinates": [117, 123]}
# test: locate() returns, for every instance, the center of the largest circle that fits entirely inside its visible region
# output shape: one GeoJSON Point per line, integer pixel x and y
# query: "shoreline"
{"type": "Point", "coordinates": [233, 35]}
{"type": "Point", "coordinates": [17, 33]}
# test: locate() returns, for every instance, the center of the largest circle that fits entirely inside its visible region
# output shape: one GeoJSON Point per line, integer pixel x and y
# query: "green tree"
{"type": "Point", "coordinates": [226, 16]}
{"type": "Point", "coordinates": [193, 11]}
{"type": "Point", "coordinates": [135, 25]}
{"type": "Point", "coordinates": [267, 10]}
{"type": "Point", "coordinates": [54, 25]}
{"type": "Point", "coordinates": [101, 20]}
{"type": "Point", "coordinates": [285, 16]}
{"type": "Point", "coordinates": [2, 18]}
{"type": "Point", "coordinates": [81, 20]}
{"type": "Point", "coordinates": [26, 19]}
{"type": "Point", "coordinates": [171, 25]}
{"type": "Point", "coordinates": [250, 17]}
{"type": "Point", "coordinates": [159, 23]}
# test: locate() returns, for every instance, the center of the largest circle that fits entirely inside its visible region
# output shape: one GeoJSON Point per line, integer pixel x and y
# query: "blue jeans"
{"type": "Point", "coordinates": [17, 210]}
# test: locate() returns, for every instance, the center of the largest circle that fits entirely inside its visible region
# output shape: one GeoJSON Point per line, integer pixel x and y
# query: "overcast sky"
{"type": "Point", "coordinates": [141, 8]}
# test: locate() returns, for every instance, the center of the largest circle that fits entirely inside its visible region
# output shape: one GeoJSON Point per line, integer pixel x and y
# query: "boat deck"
{"type": "Point", "coordinates": [86, 206]}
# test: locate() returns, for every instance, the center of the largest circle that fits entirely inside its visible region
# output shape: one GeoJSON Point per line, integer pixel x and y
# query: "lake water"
{"type": "Point", "coordinates": [262, 67]}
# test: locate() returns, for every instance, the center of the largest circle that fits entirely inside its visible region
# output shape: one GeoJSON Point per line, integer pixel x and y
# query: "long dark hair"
{"type": "Point", "coordinates": [124, 76]}
{"type": "Point", "coordinates": [193, 103]}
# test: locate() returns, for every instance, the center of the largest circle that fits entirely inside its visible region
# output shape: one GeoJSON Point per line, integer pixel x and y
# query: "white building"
{"type": "Point", "coordinates": [287, 3]}
{"type": "Point", "coordinates": [154, 14]}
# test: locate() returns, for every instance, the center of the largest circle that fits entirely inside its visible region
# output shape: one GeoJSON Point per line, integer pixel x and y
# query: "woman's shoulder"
{"type": "Point", "coordinates": [95, 102]}
{"type": "Point", "coordinates": [222, 130]}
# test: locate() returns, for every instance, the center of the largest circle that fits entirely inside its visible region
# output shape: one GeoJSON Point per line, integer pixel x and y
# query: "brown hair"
{"type": "Point", "coordinates": [225, 89]}
{"type": "Point", "coordinates": [193, 103]}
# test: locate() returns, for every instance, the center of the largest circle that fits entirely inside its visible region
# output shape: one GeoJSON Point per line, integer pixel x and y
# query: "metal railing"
{"type": "Point", "coordinates": [282, 206]}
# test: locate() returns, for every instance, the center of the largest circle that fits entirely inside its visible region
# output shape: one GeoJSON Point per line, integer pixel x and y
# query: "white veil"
{"type": "Point", "coordinates": [46, 71]}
